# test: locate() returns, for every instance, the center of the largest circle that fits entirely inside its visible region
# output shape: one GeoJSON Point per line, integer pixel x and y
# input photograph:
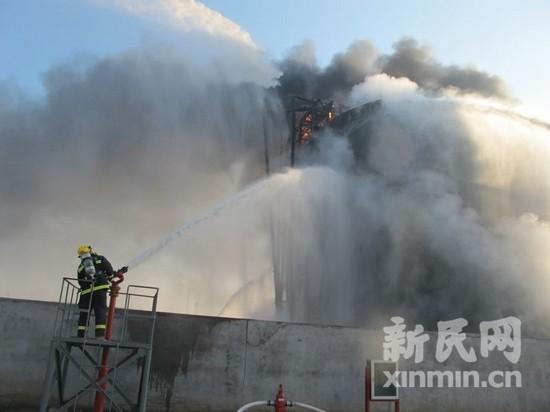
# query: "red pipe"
{"type": "Point", "coordinates": [280, 401]}
{"type": "Point", "coordinates": [99, 402]}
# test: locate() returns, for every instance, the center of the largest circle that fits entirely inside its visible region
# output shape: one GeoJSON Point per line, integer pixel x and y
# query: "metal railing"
{"type": "Point", "coordinates": [74, 361]}
{"type": "Point", "coordinates": [68, 312]}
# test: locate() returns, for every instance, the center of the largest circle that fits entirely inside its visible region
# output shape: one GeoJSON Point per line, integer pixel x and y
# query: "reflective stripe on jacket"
{"type": "Point", "coordinates": [104, 273]}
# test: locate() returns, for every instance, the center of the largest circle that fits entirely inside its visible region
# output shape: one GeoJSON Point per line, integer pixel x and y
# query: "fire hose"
{"type": "Point", "coordinates": [252, 404]}
{"type": "Point", "coordinates": [279, 404]}
{"type": "Point", "coordinates": [306, 406]}
{"type": "Point", "coordinates": [271, 403]}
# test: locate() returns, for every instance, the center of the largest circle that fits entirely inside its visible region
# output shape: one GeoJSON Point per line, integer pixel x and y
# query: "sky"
{"type": "Point", "coordinates": [506, 38]}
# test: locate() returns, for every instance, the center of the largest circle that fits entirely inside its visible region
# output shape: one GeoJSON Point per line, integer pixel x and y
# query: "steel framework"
{"type": "Point", "coordinates": [77, 372]}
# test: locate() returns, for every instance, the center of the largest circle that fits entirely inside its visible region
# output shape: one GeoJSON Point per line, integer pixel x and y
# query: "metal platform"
{"type": "Point", "coordinates": [72, 380]}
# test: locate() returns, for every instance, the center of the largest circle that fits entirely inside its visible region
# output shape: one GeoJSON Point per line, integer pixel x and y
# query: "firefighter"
{"type": "Point", "coordinates": [94, 274]}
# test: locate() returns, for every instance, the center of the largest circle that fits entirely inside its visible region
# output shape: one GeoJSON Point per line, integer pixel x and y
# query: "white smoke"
{"type": "Point", "coordinates": [447, 217]}
{"type": "Point", "coordinates": [204, 36]}
{"type": "Point", "coordinates": [434, 208]}
{"type": "Point", "coordinates": [120, 151]}
{"type": "Point", "coordinates": [186, 15]}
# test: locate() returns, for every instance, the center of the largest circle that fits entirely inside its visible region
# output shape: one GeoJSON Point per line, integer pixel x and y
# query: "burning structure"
{"type": "Point", "coordinates": [311, 116]}
{"type": "Point", "coordinates": [378, 233]}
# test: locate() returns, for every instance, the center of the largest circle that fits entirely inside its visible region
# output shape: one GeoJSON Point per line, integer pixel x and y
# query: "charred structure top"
{"type": "Point", "coordinates": [308, 116]}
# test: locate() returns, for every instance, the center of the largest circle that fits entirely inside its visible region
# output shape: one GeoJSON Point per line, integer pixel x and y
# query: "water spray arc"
{"type": "Point", "coordinates": [308, 118]}
{"type": "Point", "coordinates": [180, 231]}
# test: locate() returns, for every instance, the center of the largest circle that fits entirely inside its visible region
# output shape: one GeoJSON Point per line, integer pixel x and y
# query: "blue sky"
{"type": "Point", "coordinates": [507, 38]}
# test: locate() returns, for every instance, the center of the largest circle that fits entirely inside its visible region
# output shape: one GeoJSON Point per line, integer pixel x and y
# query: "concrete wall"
{"type": "Point", "coordinates": [217, 364]}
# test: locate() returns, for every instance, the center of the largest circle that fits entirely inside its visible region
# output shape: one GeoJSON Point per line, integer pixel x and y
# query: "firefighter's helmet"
{"type": "Point", "coordinates": [84, 249]}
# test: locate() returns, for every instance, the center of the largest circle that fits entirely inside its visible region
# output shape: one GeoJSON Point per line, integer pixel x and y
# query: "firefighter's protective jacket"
{"type": "Point", "coordinates": [103, 273]}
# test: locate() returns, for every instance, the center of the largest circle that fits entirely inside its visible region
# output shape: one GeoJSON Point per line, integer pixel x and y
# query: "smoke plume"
{"type": "Point", "coordinates": [417, 64]}
{"type": "Point", "coordinates": [446, 216]}
{"type": "Point", "coordinates": [186, 15]}
{"type": "Point", "coordinates": [120, 151]}
{"type": "Point", "coordinates": [302, 75]}
{"type": "Point", "coordinates": [433, 207]}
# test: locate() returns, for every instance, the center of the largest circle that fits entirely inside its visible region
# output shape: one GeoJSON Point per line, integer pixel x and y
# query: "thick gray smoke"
{"type": "Point", "coordinates": [434, 208]}
{"type": "Point", "coordinates": [302, 76]}
{"type": "Point", "coordinates": [121, 150]}
{"type": "Point", "coordinates": [441, 215]}
{"type": "Point", "coordinates": [416, 63]}
{"type": "Point", "coordinates": [430, 219]}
